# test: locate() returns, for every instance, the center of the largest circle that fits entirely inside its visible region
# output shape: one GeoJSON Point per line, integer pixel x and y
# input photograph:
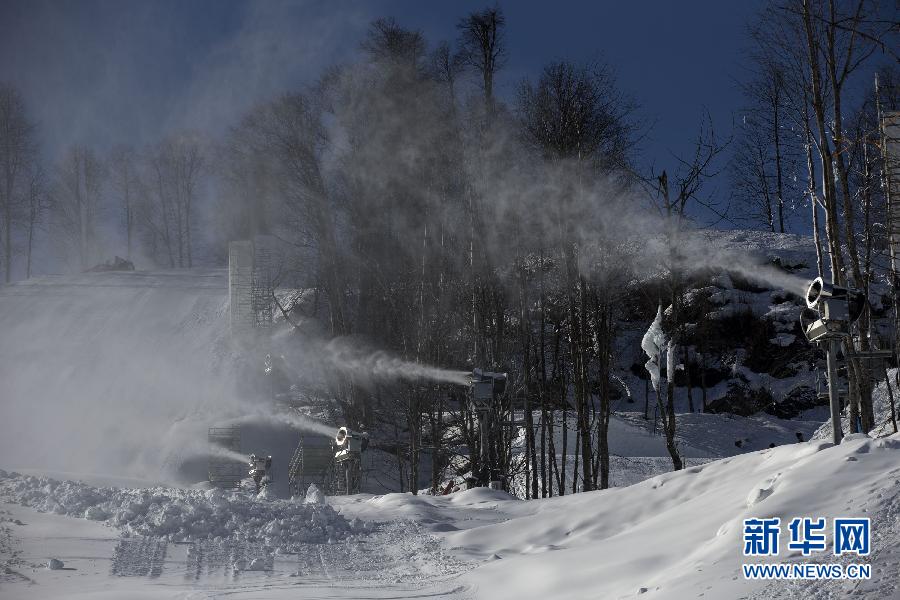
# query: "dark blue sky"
{"type": "Point", "coordinates": [107, 72]}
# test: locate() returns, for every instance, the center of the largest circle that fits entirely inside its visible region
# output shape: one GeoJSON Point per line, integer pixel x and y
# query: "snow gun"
{"type": "Point", "coordinates": [347, 441]}
{"type": "Point", "coordinates": [830, 310]}
{"type": "Point", "coordinates": [829, 313]}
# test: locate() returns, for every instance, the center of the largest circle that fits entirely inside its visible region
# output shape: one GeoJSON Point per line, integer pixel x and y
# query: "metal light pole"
{"type": "Point", "coordinates": [834, 399]}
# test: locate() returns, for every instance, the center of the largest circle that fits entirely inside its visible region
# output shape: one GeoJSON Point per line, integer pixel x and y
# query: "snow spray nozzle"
{"type": "Point", "coordinates": [351, 440]}
{"type": "Point", "coordinates": [830, 310]}
{"type": "Point", "coordinates": [816, 290]}
{"type": "Point", "coordinates": [820, 294]}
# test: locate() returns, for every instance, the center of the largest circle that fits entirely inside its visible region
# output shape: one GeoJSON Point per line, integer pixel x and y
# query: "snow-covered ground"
{"type": "Point", "coordinates": [677, 535]}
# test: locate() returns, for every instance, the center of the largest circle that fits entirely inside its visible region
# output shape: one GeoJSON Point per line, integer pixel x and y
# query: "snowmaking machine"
{"type": "Point", "coordinates": [260, 471]}
{"type": "Point", "coordinates": [349, 446]}
{"type": "Point", "coordinates": [830, 312]}
{"type": "Point", "coordinates": [334, 465]}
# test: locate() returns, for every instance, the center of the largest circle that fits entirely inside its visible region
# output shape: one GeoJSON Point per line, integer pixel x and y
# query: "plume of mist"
{"type": "Point", "coordinates": [194, 449]}
{"type": "Point", "coordinates": [345, 357]}
{"type": "Point", "coordinates": [699, 251]}
{"type": "Point", "coordinates": [310, 355]}
{"type": "Point", "coordinates": [281, 416]}
{"type": "Point", "coordinates": [530, 205]}
{"type": "Point", "coordinates": [114, 373]}
{"type": "Point", "coordinates": [220, 452]}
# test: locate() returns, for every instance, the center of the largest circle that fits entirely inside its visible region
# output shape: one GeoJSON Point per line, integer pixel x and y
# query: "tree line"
{"type": "Point", "coordinates": [821, 75]}
{"type": "Point", "coordinates": [455, 227]}
{"type": "Point", "coordinates": [87, 204]}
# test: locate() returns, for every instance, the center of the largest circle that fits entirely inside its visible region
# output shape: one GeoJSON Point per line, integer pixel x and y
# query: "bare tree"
{"type": "Point", "coordinates": [751, 173]}
{"type": "Point", "coordinates": [126, 185]}
{"type": "Point", "coordinates": [482, 44]}
{"type": "Point", "coordinates": [176, 168]}
{"type": "Point", "coordinates": [674, 199]}
{"type": "Point", "coordinates": [574, 117]}
{"type": "Point", "coordinates": [77, 203]}
{"type": "Point", "coordinates": [16, 155]}
{"type": "Point", "coordinates": [388, 41]}
{"type": "Point", "coordinates": [37, 205]}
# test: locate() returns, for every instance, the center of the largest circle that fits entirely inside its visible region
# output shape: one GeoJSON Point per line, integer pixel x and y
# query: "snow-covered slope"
{"type": "Point", "coordinates": [674, 536]}
{"type": "Point", "coordinates": [679, 535]}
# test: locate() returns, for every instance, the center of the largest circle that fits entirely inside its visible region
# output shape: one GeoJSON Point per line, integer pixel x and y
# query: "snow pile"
{"type": "Point", "coordinates": [181, 515]}
{"type": "Point", "coordinates": [679, 535]}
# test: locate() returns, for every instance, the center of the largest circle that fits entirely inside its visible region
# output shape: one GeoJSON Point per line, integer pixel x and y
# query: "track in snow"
{"type": "Point", "coordinates": [140, 557]}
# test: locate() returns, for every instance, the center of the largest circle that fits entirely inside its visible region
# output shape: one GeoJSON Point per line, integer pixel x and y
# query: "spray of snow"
{"type": "Point", "coordinates": [381, 365]}
{"type": "Point", "coordinates": [743, 265]}
{"type": "Point", "coordinates": [221, 452]}
{"type": "Point", "coordinates": [292, 418]}
{"type": "Point", "coordinates": [352, 358]}
{"type": "Point", "coordinates": [696, 252]}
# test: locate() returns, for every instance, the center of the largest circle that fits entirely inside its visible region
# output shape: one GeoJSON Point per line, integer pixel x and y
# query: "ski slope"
{"type": "Point", "coordinates": [677, 535]}
{"type": "Point", "coordinates": [113, 372]}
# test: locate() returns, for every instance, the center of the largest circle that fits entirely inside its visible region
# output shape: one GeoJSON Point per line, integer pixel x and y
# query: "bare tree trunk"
{"type": "Point", "coordinates": [187, 231]}
{"type": "Point", "coordinates": [828, 190]}
{"type": "Point", "coordinates": [565, 444]}
{"type": "Point", "coordinates": [669, 426]}
{"type": "Point", "coordinates": [687, 376]}
{"type": "Point", "coordinates": [779, 187]}
{"type": "Point", "coordinates": [7, 228]}
{"type": "Point", "coordinates": [35, 208]}
{"type": "Point", "coordinates": [29, 249]}
{"type": "Point", "coordinates": [647, 398]}
{"type": "Point", "coordinates": [887, 382]}
{"type": "Point", "coordinates": [575, 464]}
{"type": "Point", "coordinates": [551, 459]}
{"type": "Point", "coordinates": [605, 334]}
{"type": "Point", "coordinates": [542, 390]}
{"type": "Point", "coordinates": [415, 431]}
